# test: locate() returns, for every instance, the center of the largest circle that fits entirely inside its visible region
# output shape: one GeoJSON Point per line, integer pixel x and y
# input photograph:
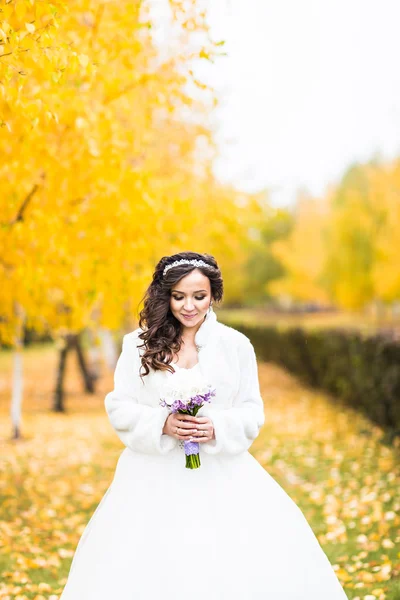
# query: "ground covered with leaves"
{"type": "Point", "coordinates": [328, 458]}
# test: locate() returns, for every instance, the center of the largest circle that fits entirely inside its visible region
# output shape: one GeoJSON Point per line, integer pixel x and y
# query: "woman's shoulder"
{"type": "Point", "coordinates": [233, 335]}
{"type": "Point", "coordinates": [132, 340]}
{"type": "Point", "coordinates": [133, 335]}
{"type": "Point", "coordinates": [226, 332]}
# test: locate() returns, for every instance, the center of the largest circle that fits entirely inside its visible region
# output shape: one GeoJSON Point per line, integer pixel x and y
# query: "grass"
{"type": "Point", "coordinates": [326, 457]}
{"type": "Point", "coordinates": [330, 461]}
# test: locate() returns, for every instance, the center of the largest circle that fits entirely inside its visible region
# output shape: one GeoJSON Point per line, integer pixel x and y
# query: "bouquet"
{"type": "Point", "coordinates": [185, 394]}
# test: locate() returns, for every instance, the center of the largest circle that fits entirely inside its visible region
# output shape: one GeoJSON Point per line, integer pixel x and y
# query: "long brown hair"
{"type": "Point", "coordinates": [161, 330]}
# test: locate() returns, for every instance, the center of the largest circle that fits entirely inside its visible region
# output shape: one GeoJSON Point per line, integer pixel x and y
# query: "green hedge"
{"type": "Point", "coordinates": [363, 371]}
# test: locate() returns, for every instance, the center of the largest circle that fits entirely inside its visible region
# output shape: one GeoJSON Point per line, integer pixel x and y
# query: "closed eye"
{"type": "Point", "coordinates": [197, 298]}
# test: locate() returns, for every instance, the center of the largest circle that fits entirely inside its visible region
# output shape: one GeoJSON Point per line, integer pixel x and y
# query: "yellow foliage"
{"type": "Point", "coordinates": [386, 271]}
{"type": "Point", "coordinates": [302, 253]}
{"type": "Point", "coordinates": [343, 248]}
{"type": "Point", "coordinates": [107, 158]}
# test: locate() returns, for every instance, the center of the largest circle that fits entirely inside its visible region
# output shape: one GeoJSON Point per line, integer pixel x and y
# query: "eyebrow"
{"type": "Point", "coordinates": [184, 293]}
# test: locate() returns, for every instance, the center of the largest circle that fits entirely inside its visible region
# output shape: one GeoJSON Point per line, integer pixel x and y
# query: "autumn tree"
{"type": "Point", "coordinates": [302, 253]}
{"type": "Point", "coordinates": [108, 160]}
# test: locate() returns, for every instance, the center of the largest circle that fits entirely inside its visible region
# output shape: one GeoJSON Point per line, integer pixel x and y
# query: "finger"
{"type": "Point", "coordinates": [201, 433]}
{"type": "Point", "coordinates": [182, 431]}
{"type": "Point", "coordinates": [187, 425]}
{"type": "Point", "coordinates": [201, 419]}
{"type": "Point", "coordinates": [187, 417]}
{"type": "Point", "coordinates": [204, 438]}
{"type": "Point", "coordinates": [185, 438]}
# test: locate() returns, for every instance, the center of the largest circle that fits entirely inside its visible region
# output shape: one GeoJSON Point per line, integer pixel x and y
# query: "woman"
{"type": "Point", "coordinates": [223, 530]}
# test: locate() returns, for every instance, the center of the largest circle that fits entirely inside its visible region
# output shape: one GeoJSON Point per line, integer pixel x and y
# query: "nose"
{"type": "Point", "coordinates": [189, 307]}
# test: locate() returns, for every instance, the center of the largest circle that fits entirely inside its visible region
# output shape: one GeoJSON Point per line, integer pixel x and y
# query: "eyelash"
{"type": "Point", "coordinates": [176, 298]}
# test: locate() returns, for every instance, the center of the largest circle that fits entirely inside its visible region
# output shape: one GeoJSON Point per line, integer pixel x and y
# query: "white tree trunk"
{"type": "Point", "coordinates": [17, 388]}
{"type": "Point", "coordinates": [94, 356]}
{"type": "Point", "coordinates": [108, 348]}
{"type": "Point", "coordinates": [17, 381]}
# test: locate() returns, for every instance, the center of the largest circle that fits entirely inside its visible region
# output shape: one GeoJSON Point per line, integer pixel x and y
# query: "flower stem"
{"type": "Point", "coordinates": [193, 461]}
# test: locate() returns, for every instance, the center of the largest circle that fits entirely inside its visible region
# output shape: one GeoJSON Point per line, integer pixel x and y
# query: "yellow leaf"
{"type": "Point", "coordinates": [83, 60]}
{"type": "Point", "coordinates": [6, 26]}
{"type": "Point", "coordinates": [20, 10]}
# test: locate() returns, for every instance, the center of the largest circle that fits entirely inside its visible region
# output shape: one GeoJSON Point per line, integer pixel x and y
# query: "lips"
{"type": "Point", "coordinates": [188, 316]}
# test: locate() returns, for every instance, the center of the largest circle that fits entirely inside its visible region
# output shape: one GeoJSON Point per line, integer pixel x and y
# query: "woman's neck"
{"type": "Point", "coordinates": [189, 333]}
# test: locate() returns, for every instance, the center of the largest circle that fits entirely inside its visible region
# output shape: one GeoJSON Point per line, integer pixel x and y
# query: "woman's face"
{"type": "Point", "coordinates": [190, 298]}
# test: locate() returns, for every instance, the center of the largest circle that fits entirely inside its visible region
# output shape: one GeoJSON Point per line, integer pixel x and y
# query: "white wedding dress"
{"type": "Point", "coordinates": [224, 531]}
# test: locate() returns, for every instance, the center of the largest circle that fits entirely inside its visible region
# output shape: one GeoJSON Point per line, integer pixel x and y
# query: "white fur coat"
{"type": "Point", "coordinates": [226, 359]}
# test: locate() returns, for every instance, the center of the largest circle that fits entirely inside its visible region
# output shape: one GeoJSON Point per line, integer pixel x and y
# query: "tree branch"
{"type": "Point", "coordinates": [22, 209]}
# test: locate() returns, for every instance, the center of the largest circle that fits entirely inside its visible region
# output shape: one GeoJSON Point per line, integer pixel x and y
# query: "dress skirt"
{"type": "Point", "coordinates": [226, 530]}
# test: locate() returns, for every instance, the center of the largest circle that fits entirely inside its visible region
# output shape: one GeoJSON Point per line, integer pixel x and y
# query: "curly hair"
{"type": "Point", "coordinates": [162, 332]}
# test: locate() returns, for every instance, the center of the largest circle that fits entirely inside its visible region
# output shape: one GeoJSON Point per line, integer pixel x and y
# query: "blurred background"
{"type": "Point", "coordinates": [266, 134]}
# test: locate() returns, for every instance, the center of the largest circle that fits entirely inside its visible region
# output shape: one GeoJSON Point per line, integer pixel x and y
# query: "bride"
{"type": "Point", "coordinates": [223, 530]}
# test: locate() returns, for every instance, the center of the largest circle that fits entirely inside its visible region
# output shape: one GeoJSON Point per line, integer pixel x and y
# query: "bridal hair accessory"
{"type": "Point", "coordinates": [193, 261]}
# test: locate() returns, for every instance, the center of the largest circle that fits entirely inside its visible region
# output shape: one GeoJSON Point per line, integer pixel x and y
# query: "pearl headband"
{"type": "Point", "coordinates": [194, 261]}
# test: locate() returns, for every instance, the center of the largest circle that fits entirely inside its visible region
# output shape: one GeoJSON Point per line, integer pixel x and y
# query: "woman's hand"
{"type": "Point", "coordinates": [205, 429]}
{"type": "Point", "coordinates": [188, 428]}
{"type": "Point", "coordinates": [179, 427]}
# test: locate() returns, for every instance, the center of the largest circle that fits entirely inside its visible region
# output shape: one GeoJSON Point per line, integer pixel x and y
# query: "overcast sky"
{"type": "Point", "coordinates": [307, 88]}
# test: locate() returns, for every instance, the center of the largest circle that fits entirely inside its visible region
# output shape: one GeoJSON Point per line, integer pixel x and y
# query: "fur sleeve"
{"type": "Point", "coordinates": [138, 426]}
{"type": "Point", "coordinates": [237, 427]}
